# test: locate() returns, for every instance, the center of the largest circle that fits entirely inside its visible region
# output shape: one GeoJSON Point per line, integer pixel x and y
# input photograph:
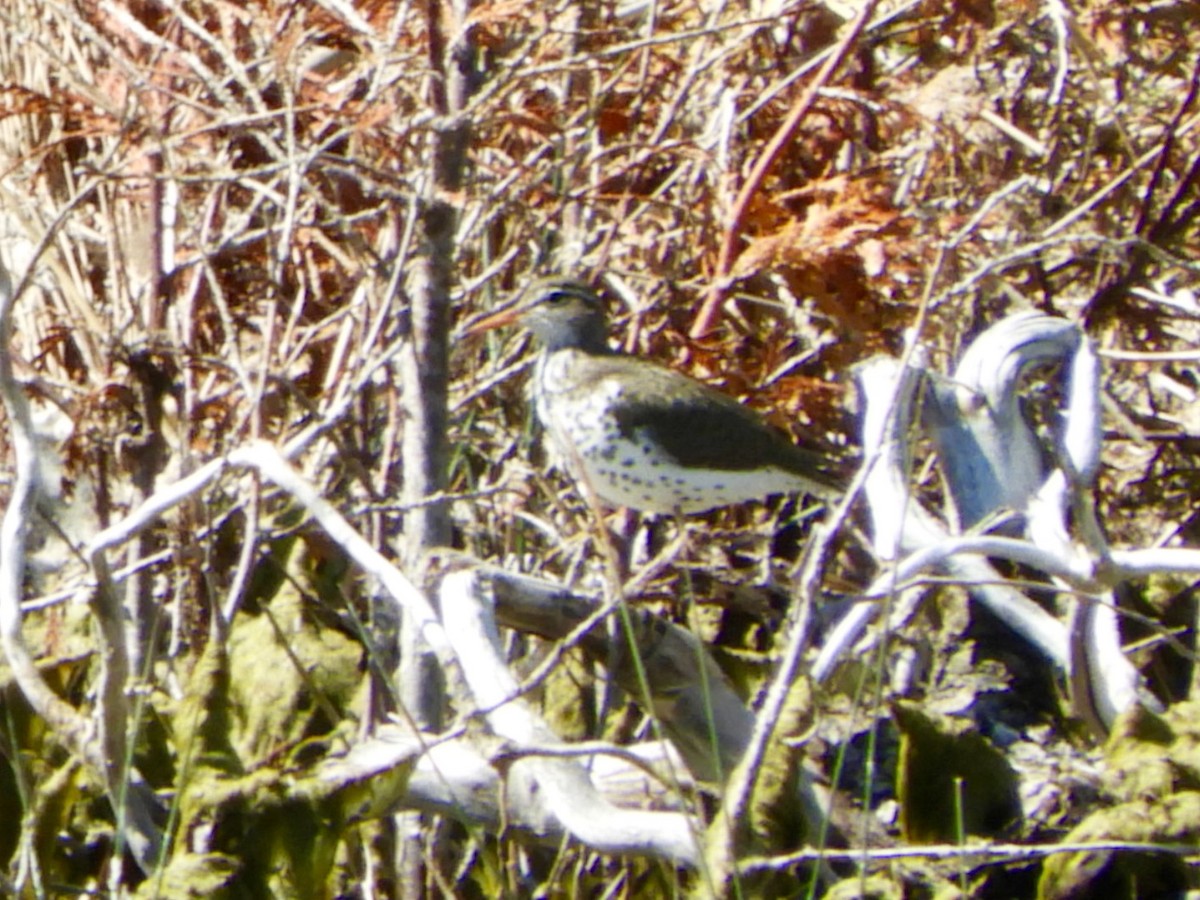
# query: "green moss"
{"type": "Point", "coordinates": [569, 699]}
{"type": "Point", "coordinates": [776, 820]}
{"type": "Point", "coordinates": [290, 677]}
{"type": "Point", "coordinates": [1126, 873]}
{"type": "Point", "coordinates": [952, 781]}
{"type": "Point", "coordinates": [250, 721]}
{"type": "Point", "coordinates": [1153, 770]}
{"type": "Point", "coordinates": [875, 887]}
{"type": "Point", "coordinates": [1154, 756]}
{"type": "Point", "coordinates": [191, 876]}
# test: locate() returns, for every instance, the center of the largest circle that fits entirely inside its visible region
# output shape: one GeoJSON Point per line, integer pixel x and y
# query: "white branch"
{"type": "Point", "coordinates": [992, 463]}
{"type": "Point", "coordinates": [554, 787]}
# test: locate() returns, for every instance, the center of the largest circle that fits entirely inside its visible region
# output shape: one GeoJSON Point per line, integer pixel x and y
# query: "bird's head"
{"type": "Point", "coordinates": [561, 313]}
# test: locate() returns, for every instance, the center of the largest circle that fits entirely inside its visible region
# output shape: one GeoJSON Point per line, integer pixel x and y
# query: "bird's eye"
{"type": "Point", "coordinates": [556, 297]}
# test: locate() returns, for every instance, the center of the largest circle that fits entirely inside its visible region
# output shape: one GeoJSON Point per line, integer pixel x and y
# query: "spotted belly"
{"type": "Point", "coordinates": [632, 473]}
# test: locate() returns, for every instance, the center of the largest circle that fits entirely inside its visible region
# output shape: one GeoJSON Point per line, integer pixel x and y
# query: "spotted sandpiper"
{"type": "Point", "coordinates": [644, 436]}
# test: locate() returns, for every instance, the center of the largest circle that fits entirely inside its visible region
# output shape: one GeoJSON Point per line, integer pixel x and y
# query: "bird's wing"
{"type": "Point", "coordinates": [701, 427]}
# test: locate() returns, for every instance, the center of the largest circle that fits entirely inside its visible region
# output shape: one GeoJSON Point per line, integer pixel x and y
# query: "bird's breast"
{"type": "Point", "coordinates": [577, 411]}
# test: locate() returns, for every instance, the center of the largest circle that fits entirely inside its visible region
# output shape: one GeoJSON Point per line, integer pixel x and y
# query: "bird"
{"type": "Point", "coordinates": [642, 435]}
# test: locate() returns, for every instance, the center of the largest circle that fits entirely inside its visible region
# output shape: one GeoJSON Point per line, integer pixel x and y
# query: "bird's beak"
{"type": "Point", "coordinates": [499, 319]}
{"type": "Point", "coordinates": [520, 303]}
